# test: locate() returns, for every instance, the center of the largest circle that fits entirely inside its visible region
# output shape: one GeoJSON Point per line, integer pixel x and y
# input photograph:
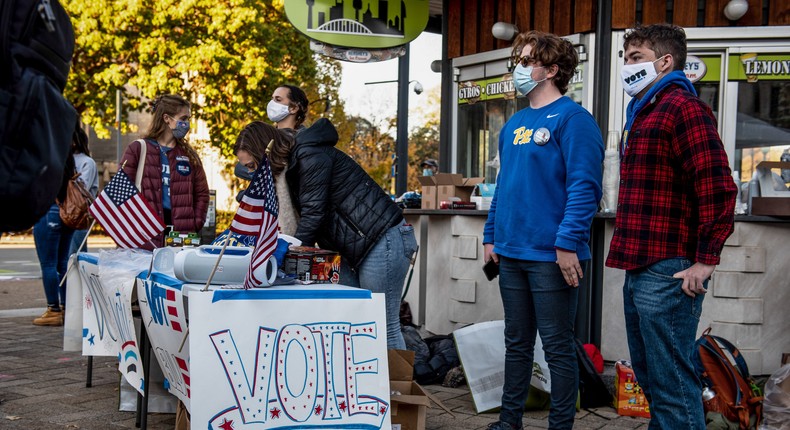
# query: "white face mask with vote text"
{"type": "Point", "coordinates": [636, 77]}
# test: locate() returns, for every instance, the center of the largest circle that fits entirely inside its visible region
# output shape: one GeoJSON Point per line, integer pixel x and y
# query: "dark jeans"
{"type": "Point", "coordinates": [53, 240]}
{"type": "Point", "coordinates": [537, 300]}
{"type": "Point", "coordinates": [661, 324]}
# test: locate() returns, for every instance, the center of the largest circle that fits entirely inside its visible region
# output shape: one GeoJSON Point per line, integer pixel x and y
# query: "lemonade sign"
{"type": "Point", "coordinates": [359, 23]}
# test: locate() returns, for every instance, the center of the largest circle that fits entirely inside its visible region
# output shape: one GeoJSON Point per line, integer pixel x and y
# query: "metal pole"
{"type": "Point", "coordinates": [118, 122]}
{"type": "Point", "coordinates": [445, 132]}
{"type": "Point", "coordinates": [402, 150]}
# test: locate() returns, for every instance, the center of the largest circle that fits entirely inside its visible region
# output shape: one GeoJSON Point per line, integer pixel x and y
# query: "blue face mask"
{"type": "Point", "coordinates": [522, 78]}
{"type": "Point", "coordinates": [427, 172]}
{"type": "Point", "coordinates": [181, 130]}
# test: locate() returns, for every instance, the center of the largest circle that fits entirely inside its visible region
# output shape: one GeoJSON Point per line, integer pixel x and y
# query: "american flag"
{"type": "Point", "coordinates": [257, 216]}
{"type": "Point", "coordinates": [125, 214]}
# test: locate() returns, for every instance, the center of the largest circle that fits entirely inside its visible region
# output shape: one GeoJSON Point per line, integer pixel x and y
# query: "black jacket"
{"type": "Point", "coordinates": [341, 207]}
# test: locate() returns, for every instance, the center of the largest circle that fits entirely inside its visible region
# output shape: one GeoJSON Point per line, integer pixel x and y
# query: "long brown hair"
{"type": "Point", "coordinates": [170, 104]}
{"type": "Point", "coordinates": [255, 138]}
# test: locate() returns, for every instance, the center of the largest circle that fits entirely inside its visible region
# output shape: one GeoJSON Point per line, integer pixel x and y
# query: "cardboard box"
{"type": "Point", "coordinates": [313, 264]}
{"type": "Point", "coordinates": [408, 400]}
{"type": "Point", "coordinates": [444, 187]}
{"type": "Point", "coordinates": [629, 400]}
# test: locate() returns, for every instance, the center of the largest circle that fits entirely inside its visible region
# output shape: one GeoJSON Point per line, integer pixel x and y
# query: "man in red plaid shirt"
{"type": "Point", "coordinates": [675, 210]}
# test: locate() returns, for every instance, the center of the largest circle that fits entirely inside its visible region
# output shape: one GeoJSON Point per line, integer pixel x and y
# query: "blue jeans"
{"type": "Point", "coordinates": [76, 241]}
{"type": "Point", "coordinates": [384, 270]}
{"type": "Point", "coordinates": [536, 299]}
{"type": "Point", "coordinates": [53, 239]}
{"type": "Point", "coordinates": [661, 323]}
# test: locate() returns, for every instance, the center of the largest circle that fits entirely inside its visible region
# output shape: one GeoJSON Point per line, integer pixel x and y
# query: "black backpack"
{"type": "Point", "coordinates": [36, 122]}
{"type": "Point", "coordinates": [592, 390]}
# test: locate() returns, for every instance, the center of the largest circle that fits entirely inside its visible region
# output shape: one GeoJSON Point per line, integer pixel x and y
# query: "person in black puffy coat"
{"type": "Point", "coordinates": [343, 209]}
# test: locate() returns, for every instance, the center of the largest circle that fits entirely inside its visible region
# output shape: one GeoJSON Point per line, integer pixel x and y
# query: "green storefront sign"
{"type": "Point", "coordinates": [359, 23]}
{"type": "Point", "coordinates": [471, 92]}
{"type": "Point", "coordinates": [753, 67]}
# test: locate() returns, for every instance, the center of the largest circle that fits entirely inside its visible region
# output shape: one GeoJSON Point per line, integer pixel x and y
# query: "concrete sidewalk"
{"type": "Point", "coordinates": [26, 240]}
{"type": "Point", "coordinates": [43, 387]}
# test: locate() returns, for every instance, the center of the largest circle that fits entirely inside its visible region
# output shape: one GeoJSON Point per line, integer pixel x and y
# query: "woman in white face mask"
{"type": "Point", "coordinates": [288, 108]}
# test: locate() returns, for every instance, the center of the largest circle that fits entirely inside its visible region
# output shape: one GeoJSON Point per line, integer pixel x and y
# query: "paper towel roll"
{"type": "Point", "coordinates": [266, 272]}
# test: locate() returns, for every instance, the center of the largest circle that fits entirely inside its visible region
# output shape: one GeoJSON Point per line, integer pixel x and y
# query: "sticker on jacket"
{"type": "Point", "coordinates": [182, 167]}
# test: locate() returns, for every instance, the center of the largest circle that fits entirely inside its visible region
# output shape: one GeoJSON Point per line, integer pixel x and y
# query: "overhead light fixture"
{"type": "Point", "coordinates": [736, 9]}
{"type": "Point", "coordinates": [436, 66]}
{"type": "Point", "coordinates": [504, 31]}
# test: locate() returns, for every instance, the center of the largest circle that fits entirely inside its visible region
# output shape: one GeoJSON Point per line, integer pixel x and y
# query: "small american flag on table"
{"type": "Point", "coordinates": [257, 216]}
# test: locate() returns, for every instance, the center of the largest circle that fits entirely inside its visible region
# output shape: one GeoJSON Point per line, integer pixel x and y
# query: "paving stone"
{"type": "Point", "coordinates": [45, 387]}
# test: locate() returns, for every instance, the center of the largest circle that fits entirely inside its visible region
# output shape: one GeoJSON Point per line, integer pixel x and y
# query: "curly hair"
{"type": "Point", "coordinates": [549, 49]}
{"type": "Point", "coordinates": [662, 39]}
{"type": "Point", "coordinates": [255, 139]}
{"type": "Point", "coordinates": [170, 104]}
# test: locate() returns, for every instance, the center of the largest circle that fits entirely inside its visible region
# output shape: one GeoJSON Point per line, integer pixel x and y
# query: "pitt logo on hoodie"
{"type": "Point", "coordinates": [522, 136]}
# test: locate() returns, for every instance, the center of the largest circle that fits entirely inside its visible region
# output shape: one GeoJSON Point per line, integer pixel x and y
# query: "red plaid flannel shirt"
{"type": "Point", "coordinates": [677, 195]}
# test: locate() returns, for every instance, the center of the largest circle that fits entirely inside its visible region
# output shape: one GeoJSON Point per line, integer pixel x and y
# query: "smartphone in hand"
{"type": "Point", "coordinates": [491, 269]}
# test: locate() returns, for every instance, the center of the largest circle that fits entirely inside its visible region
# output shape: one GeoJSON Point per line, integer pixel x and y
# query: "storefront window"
{"type": "Point", "coordinates": [478, 134]}
{"type": "Point", "coordinates": [763, 124]}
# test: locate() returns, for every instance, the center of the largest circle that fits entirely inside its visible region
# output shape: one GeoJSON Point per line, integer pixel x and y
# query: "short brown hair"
{"type": "Point", "coordinates": [549, 49]}
{"type": "Point", "coordinates": [662, 39]}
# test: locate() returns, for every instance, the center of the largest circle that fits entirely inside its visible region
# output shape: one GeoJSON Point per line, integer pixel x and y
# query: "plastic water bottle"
{"type": "Point", "coordinates": [611, 172]}
{"type": "Point", "coordinates": [708, 394]}
{"type": "Point", "coordinates": [709, 399]}
{"type": "Point", "coordinates": [754, 189]}
{"type": "Point", "coordinates": [740, 207]}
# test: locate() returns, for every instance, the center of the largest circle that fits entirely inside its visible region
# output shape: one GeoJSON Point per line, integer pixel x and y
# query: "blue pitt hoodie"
{"type": "Point", "coordinates": [549, 183]}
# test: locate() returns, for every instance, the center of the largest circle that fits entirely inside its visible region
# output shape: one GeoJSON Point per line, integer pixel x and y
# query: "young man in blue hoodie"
{"type": "Point", "coordinates": [675, 209]}
{"type": "Point", "coordinates": [538, 226]}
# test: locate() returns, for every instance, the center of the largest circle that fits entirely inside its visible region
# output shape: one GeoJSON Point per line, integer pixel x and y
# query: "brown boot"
{"type": "Point", "coordinates": [50, 317]}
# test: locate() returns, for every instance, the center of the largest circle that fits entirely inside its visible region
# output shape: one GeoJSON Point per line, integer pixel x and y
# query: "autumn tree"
{"type": "Point", "coordinates": [423, 144]}
{"type": "Point", "coordinates": [227, 56]}
{"type": "Point", "coordinates": [371, 148]}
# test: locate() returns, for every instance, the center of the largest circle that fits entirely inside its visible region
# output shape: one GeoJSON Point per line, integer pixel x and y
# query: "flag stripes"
{"type": "Point", "coordinates": [125, 214]}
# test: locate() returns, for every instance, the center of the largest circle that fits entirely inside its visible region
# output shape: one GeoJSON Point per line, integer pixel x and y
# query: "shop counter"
{"type": "Point", "coordinates": [747, 302]}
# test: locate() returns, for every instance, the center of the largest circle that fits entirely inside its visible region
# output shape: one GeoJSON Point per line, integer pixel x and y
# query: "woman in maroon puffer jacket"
{"type": "Point", "coordinates": [173, 180]}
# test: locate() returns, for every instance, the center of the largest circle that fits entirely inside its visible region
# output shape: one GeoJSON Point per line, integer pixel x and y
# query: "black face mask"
{"type": "Point", "coordinates": [242, 172]}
